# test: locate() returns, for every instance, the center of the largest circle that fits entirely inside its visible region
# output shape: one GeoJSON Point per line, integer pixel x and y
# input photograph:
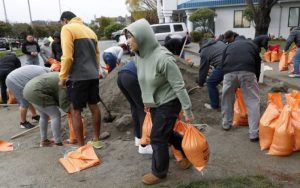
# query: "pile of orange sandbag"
{"type": "Point", "coordinates": [279, 129]}
{"type": "Point", "coordinates": [286, 60]}
{"type": "Point", "coordinates": [273, 54]}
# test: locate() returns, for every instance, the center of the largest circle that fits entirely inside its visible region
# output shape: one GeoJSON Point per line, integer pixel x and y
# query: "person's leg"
{"type": "Point", "coordinates": [43, 123]}
{"type": "Point", "coordinates": [230, 84]}
{"type": "Point", "coordinates": [36, 61]}
{"type": "Point", "coordinates": [32, 110]}
{"type": "Point", "coordinates": [96, 115]}
{"type": "Point", "coordinates": [3, 87]}
{"type": "Point", "coordinates": [55, 116]}
{"type": "Point", "coordinates": [296, 62]}
{"type": "Point", "coordinates": [250, 90]}
{"type": "Point", "coordinates": [77, 123]}
{"type": "Point", "coordinates": [213, 92]}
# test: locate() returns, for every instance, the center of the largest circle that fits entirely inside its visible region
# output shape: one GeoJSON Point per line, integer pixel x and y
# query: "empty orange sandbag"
{"type": "Point", "coordinates": [275, 56]}
{"type": "Point", "coordinates": [81, 159]}
{"type": "Point", "coordinates": [295, 117]}
{"type": "Point", "coordinates": [291, 55]}
{"type": "Point", "coordinates": [283, 139]}
{"type": "Point", "coordinates": [146, 131]}
{"type": "Point", "coordinates": [72, 135]}
{"type": "Point", "coordinates": [6, 146]}
{"type": "Point", "coordinates": [268, 120]}
{"type": "Point", "coordinates": [195, 147]}
{"type": "Point", "coordinates": [180, 127]}
{"type": "Point", "coordinates": [11, 98]}
{"type": "Point", "coordinates": [177, 154]}
{"type": "Point", "coordinates": [283, 63]}
{"type": "Point", "coordinates": [240, 116]}
{"type": "Point", "coordinates": [267, 56]}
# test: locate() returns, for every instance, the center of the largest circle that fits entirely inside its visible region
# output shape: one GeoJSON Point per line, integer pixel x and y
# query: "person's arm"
{"type": "Point", "coordinates": [17, 63]}
{"type": "Point", "coordinates": [67, 57]}
{"type": "Point", "coordinates": [24, 50]}
{"type": "Point", "coordinates": [289, 41]}
{"type": "Point", "coordinates": [38, 47]}
{"type": "Point", "coordinates": [120, 54]}
{"type": "Point", "coordinates": [257, 63]}
{"type": "Point", "coordinates": [204, 67]}
{"type": "Point", "coordinates": [174, 77]}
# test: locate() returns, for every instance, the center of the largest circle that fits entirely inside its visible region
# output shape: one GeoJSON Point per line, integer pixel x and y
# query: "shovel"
{"type": "Point", "coordinates": [110, 117]}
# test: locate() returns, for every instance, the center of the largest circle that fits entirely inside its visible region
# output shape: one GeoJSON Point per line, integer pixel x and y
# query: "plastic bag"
{"type": "Point", "coordinates": [195, 147]}
{"type": "Point", "coordinates": [146, 131]}
{"type": "Point", "coordinates": [267, 56]}
{"type": "Point", "coordinates": [283, 140]}
{"type": "Point", "coordinates": [180, 127]}
{"type": "Point", "coordinates": [81, 159]}
{"type": "Point", "coordinates": [283, 63]}
{"type": "Point", "coordinates": [268, 120]}
{"type": "Point", "coordinates": [240, 116]}
{"type": "Point", "coordinates": [295, 117]}
{"type": "Point", "coordinates": [177, 154]}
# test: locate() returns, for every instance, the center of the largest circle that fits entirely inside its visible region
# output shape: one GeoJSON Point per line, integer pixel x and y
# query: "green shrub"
{"type": "Point", "coordinates": [196, 36]}
{"type": "Point", "coordinates": [112, 28]}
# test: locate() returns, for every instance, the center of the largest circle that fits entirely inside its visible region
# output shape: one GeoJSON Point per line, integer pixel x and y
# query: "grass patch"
{"type": "Point", "coordinates": [18, 52]}
{"type": "Point", "coordinates": [233, 182]}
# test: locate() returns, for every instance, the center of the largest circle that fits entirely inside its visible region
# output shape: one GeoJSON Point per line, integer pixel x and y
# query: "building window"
{"type": "Point", "coordinates": [239, 20]}
{"type": "Point", "coordinates": [178, 28]}
{"type": "Point", "coordinates": [294, 16]}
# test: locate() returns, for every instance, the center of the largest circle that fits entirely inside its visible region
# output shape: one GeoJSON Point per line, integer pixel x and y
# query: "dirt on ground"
{"type": "Point", "coordinates": [232, 154]}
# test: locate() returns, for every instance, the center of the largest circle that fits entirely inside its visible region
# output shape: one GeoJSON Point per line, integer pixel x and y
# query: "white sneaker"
{"type": "Point", "coordinates": [137, 141]}
{"type": "Point", "coordinates": [208, 106]}
{"type": "Point", "coordinates": [145, 150]}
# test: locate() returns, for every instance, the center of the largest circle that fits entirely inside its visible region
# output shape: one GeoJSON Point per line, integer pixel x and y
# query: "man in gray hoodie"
{"type": "Point", "coordinates": [46, 52]}
{"type": "Point", "coordinates": [294, 37]}
{"type": "Point", "coordinates": [211, 53]}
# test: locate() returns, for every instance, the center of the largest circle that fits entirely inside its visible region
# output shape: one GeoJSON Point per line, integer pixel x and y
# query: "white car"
{"type": "Point", "coordinates": [161, 31]}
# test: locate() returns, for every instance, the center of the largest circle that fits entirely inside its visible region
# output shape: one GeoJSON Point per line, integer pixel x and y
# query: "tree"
{"type": "Point", "coordinates": [143, 9]}
{"type": "Point", "coordinates": [112, 28]}
{"type": "Point", "coordinates": [103, 22]}
{"type": "Point", "coordinates": [261, 15]}
{"type": "Point", "coordinates": [5, 29]}
{"type": "Point", "coordinates": [20, 30]}
{"type": "Point", "coordinates": [204, 17]}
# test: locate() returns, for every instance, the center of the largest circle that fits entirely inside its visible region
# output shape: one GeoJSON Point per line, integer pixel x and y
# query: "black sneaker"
{"type": "Point", "coordinates": [36, 118]}
{"type": "Point", "coordinates": [26, 125]}
{"type": "Point", "coordinates": [254, 139]}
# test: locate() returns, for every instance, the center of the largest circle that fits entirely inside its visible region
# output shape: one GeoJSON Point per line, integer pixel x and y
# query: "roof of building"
{"type": "Point", "coordinates": [193, 4]}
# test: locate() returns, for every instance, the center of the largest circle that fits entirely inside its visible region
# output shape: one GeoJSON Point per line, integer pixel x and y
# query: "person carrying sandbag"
{"type": "Point", "coordinates": [294, 37]}
{"type": "Point", "coordinates": [163, 91]}
{"type": "Point", "coordinates": [241, 68]}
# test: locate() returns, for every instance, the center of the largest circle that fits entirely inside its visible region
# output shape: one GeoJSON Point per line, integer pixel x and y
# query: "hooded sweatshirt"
{"type": "Point", "coordinates": [81, 56]}
{"type": "Point", "coordinates": [46, 51]}
{"type": "Point", "coordinates": [159, 77]}
{"type": "Point", "coordinates": [28, 47]}
{"type": "Point", "coordinates": [293, 37]}
{"type": "Point", "coordinates": [44, 91]}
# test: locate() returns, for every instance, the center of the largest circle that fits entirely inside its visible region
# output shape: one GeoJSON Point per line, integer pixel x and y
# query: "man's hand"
{"type": "Point", "coordinates": [62, 83]}
{"type": "Point", "coordinates": [189, 119]}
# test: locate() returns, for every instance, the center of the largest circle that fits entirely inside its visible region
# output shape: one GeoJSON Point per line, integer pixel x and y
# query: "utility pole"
{"type": "Point", "coordinates": [29, 12]}
{"type": "Point", "coordinates": [59, 7]}
{"type": "Point", "coordinates": [6, 20]}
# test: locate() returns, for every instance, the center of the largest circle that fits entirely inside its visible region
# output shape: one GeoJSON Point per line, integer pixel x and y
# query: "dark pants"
{"type": "Point", "coordinates": [163, 119]}
{"type": "Point", "coordinates": [213, 81]}
{"type": "Point", "coordinates": [130, 87]}
{"type": "Point", "coordinates": [3, 76]}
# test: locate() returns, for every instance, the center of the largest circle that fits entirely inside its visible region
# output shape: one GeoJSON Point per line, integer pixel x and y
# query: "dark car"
{"type": "Point", "coordinates": [4, 43]}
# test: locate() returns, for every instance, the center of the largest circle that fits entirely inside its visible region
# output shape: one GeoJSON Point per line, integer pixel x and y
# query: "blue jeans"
{"type": "Point", "coordinates": [215, 79]}
{"type": "Point", "coordinates": [110, 60]}
{"type": "Point", "coordinates": [33, 61]}
{"type": "Point", "coordinates": [296, 61]}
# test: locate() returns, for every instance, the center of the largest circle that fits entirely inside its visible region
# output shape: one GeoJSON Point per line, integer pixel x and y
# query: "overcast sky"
{"type": "Point", "coordinates": [17, 10]}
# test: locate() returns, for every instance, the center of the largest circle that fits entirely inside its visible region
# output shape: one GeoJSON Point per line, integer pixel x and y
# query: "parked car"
{"type": "Point", "coordinates": [15, 43]}
{"type": "Point", "coordinates": [4, 43]}
{"type": "Point", "coordinates": [161, 31]}
{"type": "Point", "coordinates": [116, 35]}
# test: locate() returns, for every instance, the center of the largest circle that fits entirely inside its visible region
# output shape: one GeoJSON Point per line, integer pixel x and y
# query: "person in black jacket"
{"type": "Point", "coordinates": [241, 67]}
{"type": "Point", "coordinates": [56, 46]}
{"type": "Point", "coordinates": [229, 36]}
{"type": "Point", "coordinates": [294, 37]}
{"type": "Point", "coordinates": [31, 49]}
{"type": "Point", "coordinates": [174, 44]}
{"type": "Point", "coordinates": [8, 63]}
{"type": "Point", "coordinates": [211, 53]}
{"type": "Point", "coordinates": [262, 41]}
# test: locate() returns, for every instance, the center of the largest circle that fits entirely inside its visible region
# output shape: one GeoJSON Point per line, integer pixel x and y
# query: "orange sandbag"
{"type": "Point", "coordinates": [180, 127]}
{"type": "Point", "coordinates": [6, 146]}
{"type": "Point", "coordinates": [11, 98]}
{"type": "Point", "coordinates": [177, 154]}
{"type": "Point", "coordinates": [283, 139]}
{"type": "Point", "coordinates": [267, 56]}
{"type": "Point", "coordinates": [283, 63]}
{"type": "Point", "coordinates": [81, 159]}
{"type": "Point", "coordinates": [295, 117]}
{"type": "Point", "coordinates": [268, 120]}
{"type": "Point", "coordinates": [195, 147]}
{"type": "Point", "coordinates": [240, 116]}
{"type": "Point", "coordinates": [72, 135]}
{"type": "Point", "coordinates": [275, 56]}
{"type": "Point", "coordinates": [291, 55]}
{"type": "Point", "coordinates": [147, 126]}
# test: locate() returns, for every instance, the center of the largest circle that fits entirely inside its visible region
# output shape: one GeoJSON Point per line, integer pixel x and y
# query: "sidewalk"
{"type": "Point", "coordinates": [191, 51]}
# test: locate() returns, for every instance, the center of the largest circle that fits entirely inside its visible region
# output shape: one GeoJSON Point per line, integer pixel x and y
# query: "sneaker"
{"type": "Point", "coordinates": [46, 143]}
{"type": "Point", "coordinates": [208, 106]}
{"type": "Point", "coordinates": [36, 118]}
{"type": "Point", "coordinates": [96, 144]}
{"type": "Point", "coordinates": [294, 75]}
{"type": "Point", "coordinates": [26, 125]}
{"type": "Point", "coordinates": [254, 139]}
{"type": "Point", "coordinates": [150, 179]}
{"type": "Point", "coordinates": [226, 128]}
{"type": "Point", "coordinates": [137, 141]}
{"type": "Point", "coordinates": [184, 164]}
{"type": "Point", "coordinates": [145, 150]}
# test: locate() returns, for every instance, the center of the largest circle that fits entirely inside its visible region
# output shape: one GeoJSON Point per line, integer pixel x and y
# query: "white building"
{"type": "Point", "coordinates": [284, 15]}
